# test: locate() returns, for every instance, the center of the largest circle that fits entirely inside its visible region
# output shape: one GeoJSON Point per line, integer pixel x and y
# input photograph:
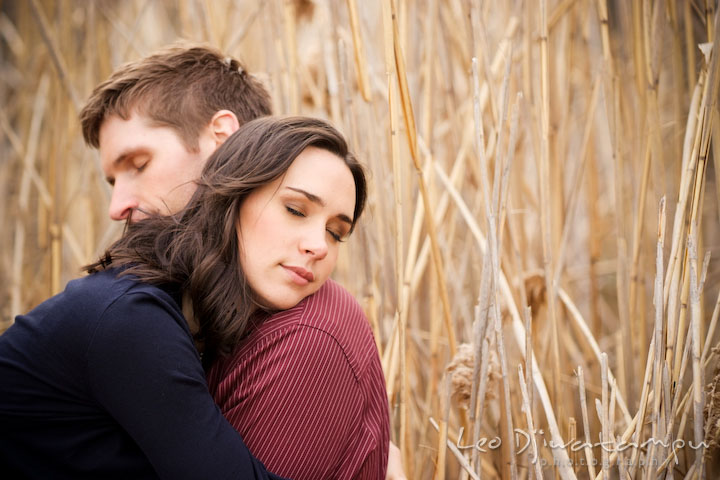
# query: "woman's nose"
{"type": "Point", "coordinates": [314, 242]}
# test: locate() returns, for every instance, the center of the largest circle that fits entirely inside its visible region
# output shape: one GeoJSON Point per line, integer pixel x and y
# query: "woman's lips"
{"type": "Point", "coordinates": [300, 275]}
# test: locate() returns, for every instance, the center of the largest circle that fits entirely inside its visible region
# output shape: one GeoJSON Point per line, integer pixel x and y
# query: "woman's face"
{"type": "Point", "coordinates": [290, 230]}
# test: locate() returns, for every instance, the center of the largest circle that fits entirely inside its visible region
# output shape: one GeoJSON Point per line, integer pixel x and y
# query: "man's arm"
{"type": "Point", "coordinates": [144, 369]}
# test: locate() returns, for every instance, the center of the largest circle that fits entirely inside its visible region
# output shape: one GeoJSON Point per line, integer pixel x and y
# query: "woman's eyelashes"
{"type": "Point", "coordinates": [294, 211]}
{"type": "Point", "coordinates": [338, 237]}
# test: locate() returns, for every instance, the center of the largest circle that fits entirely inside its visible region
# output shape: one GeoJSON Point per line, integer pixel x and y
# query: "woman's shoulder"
{"type": "Point", "coordinates": [335, 311]}
{"type": "Point", "coordinates": [332, 306]}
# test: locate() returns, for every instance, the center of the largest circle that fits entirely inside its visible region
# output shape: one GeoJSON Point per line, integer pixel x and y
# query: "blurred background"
{"type": "Point", "coordinates": [569, 169]}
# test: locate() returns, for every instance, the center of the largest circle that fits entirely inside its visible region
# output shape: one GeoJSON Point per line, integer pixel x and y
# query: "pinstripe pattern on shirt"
{"type": "Point", "coordinates": [306, 390]}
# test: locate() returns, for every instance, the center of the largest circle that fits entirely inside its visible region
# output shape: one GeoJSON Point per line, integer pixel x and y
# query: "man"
{"type": "Point", "coordinates": [155, 122]}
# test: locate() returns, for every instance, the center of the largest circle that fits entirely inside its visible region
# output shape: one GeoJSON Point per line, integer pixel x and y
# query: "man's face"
{"type": "Point", "coordinates": [149, 168]}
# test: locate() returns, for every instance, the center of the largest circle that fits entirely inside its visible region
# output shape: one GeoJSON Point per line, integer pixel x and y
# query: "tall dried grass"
{"type": "Point", "coordinates": [544, 201]}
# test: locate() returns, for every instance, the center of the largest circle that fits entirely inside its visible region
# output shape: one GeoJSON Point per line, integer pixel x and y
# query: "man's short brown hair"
{"type": "Point", "coordinates": [180, 87]}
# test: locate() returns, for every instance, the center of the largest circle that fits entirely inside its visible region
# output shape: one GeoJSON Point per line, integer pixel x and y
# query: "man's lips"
{"type": "Point", "coordinates": [300, 272]}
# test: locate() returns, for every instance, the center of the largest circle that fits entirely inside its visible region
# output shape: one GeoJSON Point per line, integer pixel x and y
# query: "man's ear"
{"type": "Point", "coordinates": [223, 124]}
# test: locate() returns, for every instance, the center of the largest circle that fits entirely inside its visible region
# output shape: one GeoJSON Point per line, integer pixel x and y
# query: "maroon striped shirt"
{"type": "Point", "coordinates": [306, 391]}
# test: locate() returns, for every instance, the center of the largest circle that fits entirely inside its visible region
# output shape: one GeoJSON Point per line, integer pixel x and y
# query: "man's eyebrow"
{"type": "Point", "coordinates": [315, 199]}
{"type": "Point", "coordinates": [130, 152]}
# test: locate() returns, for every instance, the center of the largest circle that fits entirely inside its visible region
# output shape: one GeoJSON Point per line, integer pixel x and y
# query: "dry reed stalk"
{"type": "Point", "coordinates": [577, 182]}
{"type": "Point", "coordinates": [572, 439]}
{"type": "Point", "coordinates": [560, 10]}
{"type": "Point", "coordinates": [526, 406]}
{"type": "Point", "coordinates": [698, 372]}
{"type": "Point", "coordinates": [672, 276]}
{"type": "Point", "coordinates": [443, 433]}
{"type": "Point", "coordinates": [505, 180]}
{"type": "Point", "coordinates": [479, 41]}
{"type": "Point", "coordinates": [527, 314]}
{"type": "Point", "coordinates": [637, 41]}
{"type": "Point", "coordinates": [207, 20]}
{"type": "Point", "coordinates": [330, 57]}
{"type": "Point", "coordinates": [272, 41]}
{"type": "Point", "coordinates": [502, 168]}
{"type": "Point", "coordinates": [486, 287]}
{"type": "Point", "coordinates": [652, 149]}
{"type": "Point", "coordinates": [613, 110]}
{"type": "Point", "coordinates": [716, 153]}
{"type": "Point", "coordinates": [702, 140]}
{"type": "Point", "coordinates": [467, 468]}
{"type": "Point", "coordinates": [586, 424]}
{"type": "Point", "coordinates": [55, 259]}
{"type": "Point", "coordinates": [689, 46]}
{"type": "Point", "coordinates": [506, 416]}
{"type": "Point", "coordinates": [359, 48]}
{"type": "Point", "coordinates": [711, 327]}
{"type": "Point", "coordinates": [709, 15]}
{"type": "Point", "coordinates": [412, 141]}
{"type": "Point", "coordinates": [401, 315]}
{"type": "Point", "coordinates": [594, 247]}
{"type": "Point", "coordinates": [55, 55]}
{"type": "Point", "coordinates": [499, 201]}
{"type": "Point", "coordinates": [347, 101]}
{"type": "Point", "coordinates": [605, 417]}
{"type": "Point", "coordinates": [488, 295]}
{"type": "Point", "coordinates": [480, 370]}
{"type": "Point", "coordinates": [427, 71]}
{"type": "Point", "coordinates": [658, 330]}
{"type": "Point", "coordinates": [238, 34]}
{"type": "Point", "coordinates": [545, 206]}
{"type": "Point", "coordinates": [290, 50]}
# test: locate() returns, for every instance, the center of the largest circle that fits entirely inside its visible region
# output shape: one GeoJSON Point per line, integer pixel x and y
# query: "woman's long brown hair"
{"type": "Point", "coordinates": [197, 250]}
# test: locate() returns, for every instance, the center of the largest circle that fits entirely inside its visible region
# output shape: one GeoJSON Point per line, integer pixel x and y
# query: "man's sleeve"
{"type": "Point", "coordinates": [298, 405]}
{"type": "Point", "coordinates": [143, 368]}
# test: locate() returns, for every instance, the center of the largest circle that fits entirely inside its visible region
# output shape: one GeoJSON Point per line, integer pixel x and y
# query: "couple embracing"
{"type": "Point", "coordinates": [209, 341]}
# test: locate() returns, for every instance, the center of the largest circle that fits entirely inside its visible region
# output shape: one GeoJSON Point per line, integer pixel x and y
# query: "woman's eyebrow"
{"type": "Point", "coordinates": [310, 196]}
{"type": "Point", "coordinates": [315, 199]}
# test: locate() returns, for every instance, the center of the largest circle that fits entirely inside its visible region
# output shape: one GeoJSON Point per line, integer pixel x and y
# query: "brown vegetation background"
{"type": "Point", "coordinates": [570, 169]}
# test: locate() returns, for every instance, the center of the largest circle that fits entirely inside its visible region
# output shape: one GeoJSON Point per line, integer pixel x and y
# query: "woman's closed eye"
{"type": "Point", "coordinates": [294, 211]}
{"type": "Point", "coordinates": [336, 236]}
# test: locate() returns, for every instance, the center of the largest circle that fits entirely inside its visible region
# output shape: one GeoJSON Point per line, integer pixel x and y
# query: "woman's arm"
{"type": "Point", "coordinates": [144, 370]}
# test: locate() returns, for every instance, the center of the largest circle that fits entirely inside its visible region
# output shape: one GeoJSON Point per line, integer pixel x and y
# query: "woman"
{"type": "Point", "coordinates": [103, 380]}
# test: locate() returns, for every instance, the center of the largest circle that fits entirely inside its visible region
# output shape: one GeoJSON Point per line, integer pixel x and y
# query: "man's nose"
{"type": "Point", "coordinates": [122, 203]}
